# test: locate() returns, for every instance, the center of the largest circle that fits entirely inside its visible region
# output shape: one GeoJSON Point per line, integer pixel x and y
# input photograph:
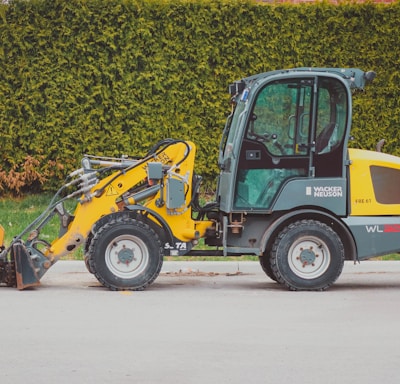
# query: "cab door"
{"type": "Point", "coordinates": [294, 130]}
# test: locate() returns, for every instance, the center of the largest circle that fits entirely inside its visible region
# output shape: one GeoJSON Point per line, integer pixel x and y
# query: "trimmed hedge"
{"type": "Point", "coordinates": [112, 77]}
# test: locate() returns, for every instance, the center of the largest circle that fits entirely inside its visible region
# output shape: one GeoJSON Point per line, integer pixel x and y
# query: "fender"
{"type": "Point", "coordinates": [140, 208]}
{"type": "Point", "coordinates": [334, 222]}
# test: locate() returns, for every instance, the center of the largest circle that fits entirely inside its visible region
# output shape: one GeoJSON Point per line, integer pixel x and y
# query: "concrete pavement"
{"type": "Point", "coordinates": [203, 322]}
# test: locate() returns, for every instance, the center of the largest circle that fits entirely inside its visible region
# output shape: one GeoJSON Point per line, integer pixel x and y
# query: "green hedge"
{"type": "Point", "coordinates": [112, 77]}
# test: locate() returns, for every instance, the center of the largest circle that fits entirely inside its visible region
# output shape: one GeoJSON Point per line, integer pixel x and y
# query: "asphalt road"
{"type": "Point", "coordinates": [203, 322]}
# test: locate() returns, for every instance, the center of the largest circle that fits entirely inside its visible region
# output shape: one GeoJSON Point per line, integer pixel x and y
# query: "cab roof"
{"type": "Point", "coordinates": [356, 78]}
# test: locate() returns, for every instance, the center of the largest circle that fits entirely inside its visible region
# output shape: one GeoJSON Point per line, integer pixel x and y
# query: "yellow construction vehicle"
{"type": "Point", "coordinates": [290, 191]}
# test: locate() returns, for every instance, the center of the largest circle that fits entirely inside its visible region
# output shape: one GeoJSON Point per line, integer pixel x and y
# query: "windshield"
{"type": "Point", "coordinates": [231, 128]}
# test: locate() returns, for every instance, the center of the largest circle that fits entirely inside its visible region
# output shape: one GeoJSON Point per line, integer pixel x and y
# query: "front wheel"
{"type": "Point", "coordinates": [125, 254]}
{"type": "Point", "coordinates": [307, 255]}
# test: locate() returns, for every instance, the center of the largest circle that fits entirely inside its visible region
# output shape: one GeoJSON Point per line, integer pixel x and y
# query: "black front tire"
{"type": "Point", "coordinates": [125, 254]}
{"type": "Point", "coordinates": [86, 252]}
{"type": "Point", "coordinates": [307, 255]}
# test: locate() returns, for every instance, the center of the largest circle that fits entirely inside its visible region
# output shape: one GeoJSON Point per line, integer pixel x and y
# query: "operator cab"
{"type": "Point", "coordinates": [286, 126]}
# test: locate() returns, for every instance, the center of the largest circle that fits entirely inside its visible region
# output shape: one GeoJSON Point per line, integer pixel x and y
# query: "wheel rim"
{"type": "Point", "coordinates": [127, 256]}
{"type": "Point", "coordinates": [309, 257]}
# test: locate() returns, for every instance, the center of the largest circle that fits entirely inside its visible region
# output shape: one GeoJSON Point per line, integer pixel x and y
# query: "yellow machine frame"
{"type": "Point", "coordinates": [107, 198]}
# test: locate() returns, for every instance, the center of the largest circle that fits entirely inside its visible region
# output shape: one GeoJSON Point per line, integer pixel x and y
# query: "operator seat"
{"type": "Point", "coordinates": [322, 140]}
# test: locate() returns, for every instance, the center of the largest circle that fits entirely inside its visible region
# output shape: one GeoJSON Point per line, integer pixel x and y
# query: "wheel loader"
{"type": "Point", "coordinates": [290, 191]}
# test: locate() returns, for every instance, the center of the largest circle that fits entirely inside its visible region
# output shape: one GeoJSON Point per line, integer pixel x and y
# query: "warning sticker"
{"type": "Point", "coordinates": [111, 191]}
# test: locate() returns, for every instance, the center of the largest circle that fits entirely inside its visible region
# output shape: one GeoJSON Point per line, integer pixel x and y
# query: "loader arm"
{"type": "Point", "coordinates": [108, 197]}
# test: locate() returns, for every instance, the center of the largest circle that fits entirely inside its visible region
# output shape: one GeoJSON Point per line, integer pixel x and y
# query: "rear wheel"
{"type": "Point", "coordinates": [265, 263]}
{"type": "Point", "coordinates": [307, 255]}
{"type": "Point", "coordinates": [125, 254]}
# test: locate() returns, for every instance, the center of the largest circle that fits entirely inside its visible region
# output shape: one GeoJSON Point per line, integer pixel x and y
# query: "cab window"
{"type": "Point", "coordinates": [281, 118]}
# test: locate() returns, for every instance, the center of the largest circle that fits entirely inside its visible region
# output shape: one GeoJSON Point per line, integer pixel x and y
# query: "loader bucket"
{"type": "Point", "coordinates": [25, 271]}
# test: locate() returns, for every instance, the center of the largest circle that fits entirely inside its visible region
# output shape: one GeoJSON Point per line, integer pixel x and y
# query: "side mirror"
{"type": "Point", "coordinates": [370, 75]}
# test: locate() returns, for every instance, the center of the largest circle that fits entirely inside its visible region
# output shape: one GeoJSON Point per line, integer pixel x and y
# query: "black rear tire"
{"type": "Point", "coordinates": [265, 263]}
{"type": "Point", "coordinates": [307, 255]}
{"type": "Point", "coordinates": [125, 254]}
